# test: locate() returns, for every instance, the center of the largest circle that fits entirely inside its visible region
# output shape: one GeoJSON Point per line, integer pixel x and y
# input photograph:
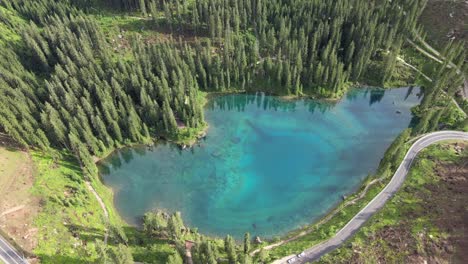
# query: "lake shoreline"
{"type": "Point", "coordinates": [288, 233]}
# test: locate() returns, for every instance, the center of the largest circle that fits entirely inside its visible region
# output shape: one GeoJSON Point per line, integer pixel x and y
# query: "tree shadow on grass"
{"type": "Point", "coordinates": [137, 237]}
{"type": "Point", "coordinates": [151, 256]}
{"type": "Point", "coordinates": [69, 161]}
{"type": "Point", "coordinates": [87, 234]}
{"type": "Point", "coordinates": [146, 248]}
{"type": "Point", "coordinates": [150, 249]}
{"type": "Point", "coordinates": [60, 259]}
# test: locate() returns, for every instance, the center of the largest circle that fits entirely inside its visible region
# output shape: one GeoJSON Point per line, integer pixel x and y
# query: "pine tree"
{"type": "Point", "coordinates": [174, 259]}
{"type": "Point", "coordinates": [143, 7]}
{"type": "Point", "coordinates": [121, 255]}
{"type": "Point", "coordinates": [247, 243]}
{"type": "Point", "coordinates": [230, 248]}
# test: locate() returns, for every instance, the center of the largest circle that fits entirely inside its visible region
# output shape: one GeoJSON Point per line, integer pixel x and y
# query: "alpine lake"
{"type": "Point", "coordinates": [267, 165]}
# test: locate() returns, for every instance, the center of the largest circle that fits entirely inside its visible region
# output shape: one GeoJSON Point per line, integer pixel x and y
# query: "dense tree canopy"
{"type": "Point", "coordinates": [62, 86]}
{"type": "Point", "coordinates": [295, 47]}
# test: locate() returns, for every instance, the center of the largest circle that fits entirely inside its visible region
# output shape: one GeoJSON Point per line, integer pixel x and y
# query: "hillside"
{"type": "Point", "coordinates": [426, 219]}
{"type": "Point", "coordinates": [82, 78]}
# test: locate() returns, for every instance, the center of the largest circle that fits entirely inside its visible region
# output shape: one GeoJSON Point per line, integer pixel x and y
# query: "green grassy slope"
{"type": "Point", "coordinates": [72, 220]}
{"type": "Point", "coordinates": [413, 226]}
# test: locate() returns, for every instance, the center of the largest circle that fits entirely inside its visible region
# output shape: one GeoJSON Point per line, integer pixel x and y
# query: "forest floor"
{"type": "Point", "coordinates": [18, 207]}
{"type": "Point", "coordinates": [425, 222]}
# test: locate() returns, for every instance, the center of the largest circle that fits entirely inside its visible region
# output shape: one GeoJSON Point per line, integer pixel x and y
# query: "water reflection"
{"type": "Point", "coordinates": [376, 95]}
{"type": "Point", "coordinates": [267, 164]}
{"type": "Point", "coordinates": [262, 101]}
{"type": "Point", "coordinates": [241, 101]}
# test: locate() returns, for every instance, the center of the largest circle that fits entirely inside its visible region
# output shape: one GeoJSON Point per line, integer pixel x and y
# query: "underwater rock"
{"type": "Point", "coordinates": [216, 154]}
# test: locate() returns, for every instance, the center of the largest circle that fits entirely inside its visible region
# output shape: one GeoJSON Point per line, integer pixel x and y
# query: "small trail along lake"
{"type": "Point", "coordinates": [267, 165]}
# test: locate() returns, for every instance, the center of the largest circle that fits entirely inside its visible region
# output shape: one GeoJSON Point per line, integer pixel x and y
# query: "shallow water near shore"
{"type": "Point", "coordinates": [267, 165]}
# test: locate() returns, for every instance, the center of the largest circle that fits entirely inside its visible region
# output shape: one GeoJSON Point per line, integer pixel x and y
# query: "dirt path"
{"type": "Point", "coordinates": [103, 206]}
{"type": "Point", "coordinates": [464, 88]}
{"type": "Point", "coordinates": [436, 56]}
{"type": "Point", "coordinates": [414, 68]}
{"type": "Point", "coordinates": [424, 52]}
{"type": "Point", "coordinates": [12, 210]}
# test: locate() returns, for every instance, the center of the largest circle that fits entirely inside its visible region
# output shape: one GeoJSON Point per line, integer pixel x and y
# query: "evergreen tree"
{"type": "Point", "coordinates": [121, 255]}
{"type": "Point", "coordinates": [230, 248]}
{"type": "Point", "coordinates": [174, 259]}
{"type": "Point", "coordinates": [247, 243]}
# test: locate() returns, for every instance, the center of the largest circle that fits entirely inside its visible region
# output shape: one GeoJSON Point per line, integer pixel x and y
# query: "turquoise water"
{"type": "Point", "coordinates": [267, 165]}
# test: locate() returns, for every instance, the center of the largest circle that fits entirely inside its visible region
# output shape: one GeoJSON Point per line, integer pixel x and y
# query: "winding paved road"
{"type": "Point", "coordinates": [315, 252]}
{"type": "Point", "coordinates": [9, 255]}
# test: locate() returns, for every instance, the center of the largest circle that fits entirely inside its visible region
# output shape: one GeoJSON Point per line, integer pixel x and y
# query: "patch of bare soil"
{"type": "Point", "coordinates": [447, 205]}
{"type": "Point", "coordinates": [18, 207]}
{"type": "Point", "coordinates": [451, 205]}
{"type": "Point", "coordinates": [445, 20]}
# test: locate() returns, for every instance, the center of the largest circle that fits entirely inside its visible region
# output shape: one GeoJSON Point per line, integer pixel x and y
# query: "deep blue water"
{"type": "Point", "coordinates": [267, 165]}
